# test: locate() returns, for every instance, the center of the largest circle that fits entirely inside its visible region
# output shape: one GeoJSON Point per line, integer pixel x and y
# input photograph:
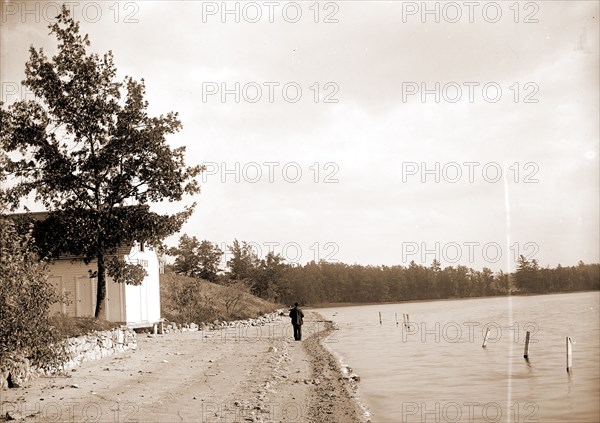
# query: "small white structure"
{"type": "Point", "coordinates": [136, 305]}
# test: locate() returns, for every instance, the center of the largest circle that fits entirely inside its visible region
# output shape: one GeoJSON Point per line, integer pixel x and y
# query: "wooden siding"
{"type": "Point", "coordinates": [124, 303]}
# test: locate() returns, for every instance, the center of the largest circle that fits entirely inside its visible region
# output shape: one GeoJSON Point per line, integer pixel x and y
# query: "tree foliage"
{"type": "Point", "coordinates": [243, 261]}
{"type": "Point", "coordinates": [262, 277]}
{"type": "Point", "coordinates": [527, 275]}
{"type": "Point", "coordinates": [198, 259]}
{"type": "Point", "coordinates": [325, 282]}
{"type": "Point", "coordinates": [86, 146]}
{"type": "Point", "coordinates": [25, 299]}
{"type": "Point", "coordinates": [267, 277]}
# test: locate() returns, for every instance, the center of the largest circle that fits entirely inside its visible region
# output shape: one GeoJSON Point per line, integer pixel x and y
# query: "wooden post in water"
{"type": "Point", "coordinates": [380, 317]}
{"type": "Point", "coordinates": [526, 351]}
{"type": "Point", "coordinates": [569, 355]}
{"type": "Point", "coordinates": [487, 332]}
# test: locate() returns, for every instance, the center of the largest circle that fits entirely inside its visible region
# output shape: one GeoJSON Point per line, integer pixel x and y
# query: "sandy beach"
{"type": "Point", "coordinates": [230, 375]}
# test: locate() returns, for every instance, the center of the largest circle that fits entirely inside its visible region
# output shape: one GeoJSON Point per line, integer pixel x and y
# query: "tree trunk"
{"type": "Point", "coordinates": [101, 289]}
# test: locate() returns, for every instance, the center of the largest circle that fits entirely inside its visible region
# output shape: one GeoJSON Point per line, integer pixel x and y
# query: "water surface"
{"type": "Point", "coordinates": [436, 370]}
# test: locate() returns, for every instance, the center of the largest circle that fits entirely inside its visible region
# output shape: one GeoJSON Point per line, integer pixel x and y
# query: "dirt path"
{"type": "Point", "coordinates": [232, 375]}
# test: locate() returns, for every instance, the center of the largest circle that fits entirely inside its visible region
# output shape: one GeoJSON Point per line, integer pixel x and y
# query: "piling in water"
{"type": "Point", "coordinates": [526, 351]}
{"type": "Point", "coordinates": [405, 319]}
{"type": "Point", "coordinates": [569, 355]}
{"type": "Point", "coordinates": [380, 317]}
{"type": "Point", "coordinates": [487, 332]}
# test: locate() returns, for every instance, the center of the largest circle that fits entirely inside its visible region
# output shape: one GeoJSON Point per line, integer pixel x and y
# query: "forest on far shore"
{"type": "Point", "coordinates": [322, 282]}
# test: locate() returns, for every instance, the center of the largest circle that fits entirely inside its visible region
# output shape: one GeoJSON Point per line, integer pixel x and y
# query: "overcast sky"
{"type": "Point", "coordinates": [512, 137]}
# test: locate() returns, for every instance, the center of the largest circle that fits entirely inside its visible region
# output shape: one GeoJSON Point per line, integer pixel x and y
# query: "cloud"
{"type": "Point", "coordinates": [374, 129]}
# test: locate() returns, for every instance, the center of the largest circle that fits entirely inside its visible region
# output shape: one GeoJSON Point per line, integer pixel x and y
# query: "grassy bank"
{"type": "Point", "coordinates": [185, 300]}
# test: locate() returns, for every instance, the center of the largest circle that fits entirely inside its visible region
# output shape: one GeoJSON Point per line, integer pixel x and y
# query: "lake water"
{"type": "Point", "coordinates": [436, 370]}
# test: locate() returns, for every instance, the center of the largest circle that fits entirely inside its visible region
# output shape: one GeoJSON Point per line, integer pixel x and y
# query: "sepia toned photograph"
{"type": "Point", "coordinates": [352, 211]}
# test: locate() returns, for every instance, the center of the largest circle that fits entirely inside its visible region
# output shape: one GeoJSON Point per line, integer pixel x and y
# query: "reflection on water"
{"type": "Point", "coordinates": [436, 370]}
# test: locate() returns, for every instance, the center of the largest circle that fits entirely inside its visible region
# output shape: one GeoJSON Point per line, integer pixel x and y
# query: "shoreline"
{"type": "Point", "coordinates": [349, 380]}
{"type": "Point", "coordinates": [326, 364]}
{"type": "Point", "coordinates": [233, 374]}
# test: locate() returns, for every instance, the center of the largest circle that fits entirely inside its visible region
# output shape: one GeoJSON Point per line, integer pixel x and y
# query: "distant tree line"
{"type": "Point", "coordinates": [326, 282]}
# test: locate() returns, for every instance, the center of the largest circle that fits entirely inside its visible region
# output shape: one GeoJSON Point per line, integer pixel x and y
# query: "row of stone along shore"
{"type": "Point", "coordinates": [218, 325]}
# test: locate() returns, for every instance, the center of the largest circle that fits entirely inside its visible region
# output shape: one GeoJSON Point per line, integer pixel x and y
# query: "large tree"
{"type": "Point", "coordinates": [198, 259]}
{"type": "Point", "coordinates": [268, 276]}
{"type": "Point", "coordinates": [527, 275]}
{"type": "Point", "coordinates": [92, 155]}
{"type": "Point", "coordinates": [243, 262]}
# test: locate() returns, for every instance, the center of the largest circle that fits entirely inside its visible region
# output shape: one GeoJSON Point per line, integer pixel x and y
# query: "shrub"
{"type": "Point", "coordinates": [25, 299]}
{"type": "Point", "coordinates": [184, 300]}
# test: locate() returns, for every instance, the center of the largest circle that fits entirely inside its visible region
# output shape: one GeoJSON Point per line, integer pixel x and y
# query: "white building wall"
{"type": "Point", "coordinates": [153, 283]}
{"type": "Point", "coordinates": [142, 302]}
{"type": "Point", "coordinates": [124, 303]}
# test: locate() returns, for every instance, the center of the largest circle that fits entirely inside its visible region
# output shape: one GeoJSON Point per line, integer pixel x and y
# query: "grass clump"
{"type": "Point", "coordinates": [69, 327]}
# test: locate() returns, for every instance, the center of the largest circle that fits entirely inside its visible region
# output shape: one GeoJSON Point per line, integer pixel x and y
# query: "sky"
{"type": "Point", "coordinates": [363, 131]}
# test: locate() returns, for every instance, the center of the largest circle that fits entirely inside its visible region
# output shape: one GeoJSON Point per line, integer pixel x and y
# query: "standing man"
{"type": "Point", "coordinates": [296, 315]}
